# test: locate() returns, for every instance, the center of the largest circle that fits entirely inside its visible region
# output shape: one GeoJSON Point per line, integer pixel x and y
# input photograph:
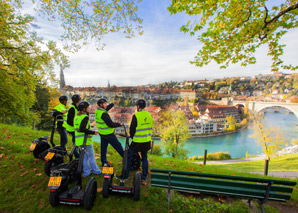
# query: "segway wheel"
{"type": "Point", "coordinates": [73, 170]}
{"type": "Point", "coordinates": [137, 186]}
{"type": "Point", "coordinates": [105, 187]}
{"type": "Point", "coordinates": [47, 168]}
{"type": "Point", "coordinates": [40, 148]}
{"type": "Point", "coordinates": [54, 198]}
{"type": "Point", "coordinates": [135, 162]}
{"type": "Point", "coordinates": [90, 193]}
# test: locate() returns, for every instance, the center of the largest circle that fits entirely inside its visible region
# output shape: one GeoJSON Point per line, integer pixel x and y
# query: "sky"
{"type": "Point", "coordinates": [161, 54]}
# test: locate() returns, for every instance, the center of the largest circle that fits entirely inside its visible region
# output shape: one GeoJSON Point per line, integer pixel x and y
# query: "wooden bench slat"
{"type": "Point", "coordinates": [244, 191]}
{"type": "Point", "coordinates": [252, 179]}
{"type": "Point", "coordinates": [223, 182]}
{"type": "Point", "coordinates": [218, 193]}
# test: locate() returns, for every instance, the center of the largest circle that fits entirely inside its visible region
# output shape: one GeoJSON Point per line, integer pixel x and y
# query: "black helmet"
{"type": "Point", "coordinates": [101, 101]}
{"type": "Point", "coordinates": [141, 103]}
{"type": "Point", "coordinates": [83, 105]}
{"type": "Point", "coordinates": [63, 98]}
{"type": "Point", "coordinates": [76, 98]}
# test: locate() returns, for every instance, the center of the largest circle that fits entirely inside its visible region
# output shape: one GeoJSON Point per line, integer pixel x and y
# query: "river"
{"type": "Point", "coordinates": [237, 144]}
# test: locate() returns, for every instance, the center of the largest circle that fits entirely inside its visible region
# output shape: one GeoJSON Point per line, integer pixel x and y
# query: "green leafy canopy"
{"type": "Point", "coordinates": [233, 30]}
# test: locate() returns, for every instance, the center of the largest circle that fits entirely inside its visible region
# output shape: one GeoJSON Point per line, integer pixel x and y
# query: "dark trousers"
{"type": "Point", "coordinates": [105, 141]}
{"type": "Point", "coordinates": [144, 163]}
{"type": "Point", "coordinates": [63, 137]}
{"type": "Point", "coordinates": [76, 153]}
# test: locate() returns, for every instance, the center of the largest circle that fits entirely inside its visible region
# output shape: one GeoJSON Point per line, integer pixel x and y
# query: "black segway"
{"type": "Point", "coordinates": [108, 172]}
{"type": "Point", "coordinates": [40, 145]}
{"type": "Point", "coordinates": [54, 158]}
{"type": "Point", "coordinates": [58, 184]}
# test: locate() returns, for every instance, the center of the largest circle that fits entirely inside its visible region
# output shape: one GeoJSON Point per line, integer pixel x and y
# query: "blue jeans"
{"type": "Point", "coordinates": [144, 163]}
{"type": "Point", "coordinates": [105, 141]}
{"type": "Point", "coordinates": [76, 153]}
{"type": "Point", "coordinates": [89, 161]}
{"type": "Point", "coordinates": [63, 137]}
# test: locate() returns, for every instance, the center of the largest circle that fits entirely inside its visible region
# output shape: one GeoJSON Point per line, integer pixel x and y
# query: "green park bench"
{"type": "Point", "coordinates": [260, 189]}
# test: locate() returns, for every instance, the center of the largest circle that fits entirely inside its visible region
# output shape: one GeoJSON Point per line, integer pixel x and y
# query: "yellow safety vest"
{"type": "Point", "coordinates": [61, 107]}
{"type": "Point", "coordinates": [144, 127]}
{"type": "Point", "coordinates": [103, 128]}
{"type": "Point", "coordinates": [70, 128]}
{"type": "Point", "coordinates": [79, 136]}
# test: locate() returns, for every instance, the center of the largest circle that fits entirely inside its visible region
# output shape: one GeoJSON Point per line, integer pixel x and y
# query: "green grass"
{"type": "Point", "coordinates": [285, 163]}
{"type": "Point", "coordinates": [23, 184]}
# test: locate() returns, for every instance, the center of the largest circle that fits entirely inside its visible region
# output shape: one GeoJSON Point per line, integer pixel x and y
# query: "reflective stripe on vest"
{"type": "Point", "coordinates": [70, 128]}
{"type": "Point", "coordinates": [60, 108]}
{"type": "Point", "coordinates": [144, 127]}
{"type": "Point", "coordinates": [79, 136]}
{"type": "Point", "coordinates": [103, 128]}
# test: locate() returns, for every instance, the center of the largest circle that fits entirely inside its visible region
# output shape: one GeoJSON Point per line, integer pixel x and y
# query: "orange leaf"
{"type": "Point", "coordinates": [24, 173]}
{"type": "Point", "coordinates": [38, 174]}
{"type": "Point", "coordinates": [99, 190]}
{"type": "Point", "coordinates": [34, 185]}
{"type": "Point", "coordinates": [1, 156]}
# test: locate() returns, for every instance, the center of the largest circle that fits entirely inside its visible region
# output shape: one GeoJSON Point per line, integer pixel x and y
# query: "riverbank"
{"type": "Point", "coordinates": [213, 135]}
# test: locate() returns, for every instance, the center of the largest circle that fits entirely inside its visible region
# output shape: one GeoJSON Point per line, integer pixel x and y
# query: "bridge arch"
{"type": "Point", "coordinates": [258, 106]}
{"type": "Point", "coordinates": [263, 108]}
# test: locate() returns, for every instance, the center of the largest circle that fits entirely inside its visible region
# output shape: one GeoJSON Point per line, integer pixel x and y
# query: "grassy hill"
{"type": "Point", "coordinates": [23, 184]}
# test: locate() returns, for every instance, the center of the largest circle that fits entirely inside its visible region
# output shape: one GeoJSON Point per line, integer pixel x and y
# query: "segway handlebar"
{"type": "Point", "coordinates": [53, 131]}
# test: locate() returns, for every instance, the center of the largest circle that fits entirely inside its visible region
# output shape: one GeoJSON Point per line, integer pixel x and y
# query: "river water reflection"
{"type": "Point", "coordinates": [237, 144]}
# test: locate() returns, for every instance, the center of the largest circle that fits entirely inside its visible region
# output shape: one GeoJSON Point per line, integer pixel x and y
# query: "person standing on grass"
{"type": "Point", "coordinates": [60, 112]}
{"type": "Point", "coordinates": [140, 131]}
{"type": "Point", "coordinates": [82, 126]}
{"type": "Point", "coordinates": [106, 128]}
{"type": "Point", "coordinates": [71, 114]}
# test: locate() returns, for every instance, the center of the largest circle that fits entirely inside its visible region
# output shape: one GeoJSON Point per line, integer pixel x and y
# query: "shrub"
{"type": "Point", "coordinates": [216, 156]}
{"type": "Point", "coordinates": [157, 150]}
{"type": "Point", "coordinates": [193, 158]}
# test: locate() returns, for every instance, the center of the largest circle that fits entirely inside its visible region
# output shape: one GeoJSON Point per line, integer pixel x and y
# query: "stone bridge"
{"type": "Point", "coordinates": [259, 106]}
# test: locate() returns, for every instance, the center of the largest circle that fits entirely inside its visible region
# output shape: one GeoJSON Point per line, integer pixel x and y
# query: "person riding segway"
{"type": "Point", "coordinates": [140, 132]}
{"type": "Point", "coordinates": [71, 114]}
{"type": "Point", "coordinates": [106, 128]}
{"type": "Point", "coordinates": [60, 112]}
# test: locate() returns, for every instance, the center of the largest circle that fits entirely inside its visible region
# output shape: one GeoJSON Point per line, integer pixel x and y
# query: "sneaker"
{"type": "Point", "coordinates": [86, 175]}
{"type": "Point", "coordinates": [98, 173]}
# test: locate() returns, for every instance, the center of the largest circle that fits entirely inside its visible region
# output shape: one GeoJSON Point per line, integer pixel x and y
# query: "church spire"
{"type": "Point", "coordinates": [62, 81]}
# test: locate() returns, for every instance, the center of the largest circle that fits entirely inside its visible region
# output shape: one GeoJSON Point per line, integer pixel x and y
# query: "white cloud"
{"type": "Point", "coordinates": [161, 54]}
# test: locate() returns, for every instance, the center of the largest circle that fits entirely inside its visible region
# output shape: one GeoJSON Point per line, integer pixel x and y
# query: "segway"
{"type": "Point", "coordinates": [54, 159]}
{"type": "Point", "coordinates": [108, 172]}
{"type": "Point", "coordinates": [40, 145]}
{"type": "Point", "coordinates": [58, 184]}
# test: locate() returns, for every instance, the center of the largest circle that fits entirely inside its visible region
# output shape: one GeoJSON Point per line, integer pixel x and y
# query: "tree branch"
{"type": "Point", "coordinates": [293, 7]}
